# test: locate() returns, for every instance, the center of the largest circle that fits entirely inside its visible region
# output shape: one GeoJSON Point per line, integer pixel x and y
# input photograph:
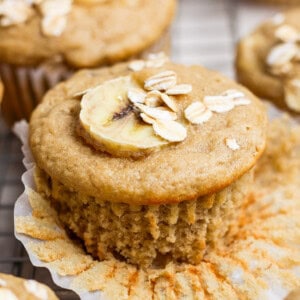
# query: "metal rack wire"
{"type": "Point", "coordinates": [204, 33]}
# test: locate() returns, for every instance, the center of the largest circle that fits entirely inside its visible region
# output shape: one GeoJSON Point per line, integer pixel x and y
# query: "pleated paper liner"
{"type": "Point", "coordinates": [26, 86]}
{"type": "Point", "coordinates": [261, 262]}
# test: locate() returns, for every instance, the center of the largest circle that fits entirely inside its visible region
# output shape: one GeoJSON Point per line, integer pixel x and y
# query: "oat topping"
{"type": "Point", "coordinates": [219, 103]}
{"type": "Point", "coordinates": [281, 62]}
{"type": "Point", "coordinates": [180, 89]}
{"type": "Point", "coordinates": [2, 282]}
{"type": "Point", "coordinates": [147, 119]}
{"type": "Point", "coordinates": [154, 60]}
{"type": "Point", "coordinates": [36, 289]}
{"type": "Point", "coordinates": [226, 101]}
{"type": "Point", "coordinates": [282, 54]}
{"type": "Point", "coordinates": [54, 13]}
{"type": "Point", "coordinates": [14, 12]}
{"type": "Point", "coordinates": [136, 95]}
{"type": "Point", "coordinates": [161, 81]}
{"type": "Point", "coordinates": [281, 57]}
{"type": "Point", "coordinates": [201, 112]}
{"type": "Point", "coordinates": [169, 102]}
{"type": "Point", "coordinates": [158, 108]}
{"type": "Point", "coordinates": [232, 144]}
{"type": "Point", "coordinates": [197, 113]}
{"type": "Point", "coordinates": [155, 104]}
{"type": "Point", "coordinates": [137, 65]}
{"type": "Point", "coordinates": [170, 130]}
{"type": "Point", "coordinates": [153, 99]}
{"type": "Point", "coordinates": [157, 113]}
{"type": "Point", "coordinates": [287, 33]}
{"type": "Point", "coordinates": [7, 294]}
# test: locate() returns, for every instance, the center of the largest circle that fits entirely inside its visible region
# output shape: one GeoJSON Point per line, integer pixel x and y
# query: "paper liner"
{"type": "Point", "coordinates": [262, 262]}
{"type": "Point", "coordinates": [25, 87]}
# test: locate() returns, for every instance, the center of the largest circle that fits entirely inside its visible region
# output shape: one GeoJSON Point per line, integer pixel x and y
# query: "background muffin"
{"type": "Point", "coordinates": [42, 42]}
{"type": "Point", "coordinates": [14, 288]}
{"type": "Point", "coordinates": [267, 60]}
{"type": "Point", "coordinates": [182, 178]}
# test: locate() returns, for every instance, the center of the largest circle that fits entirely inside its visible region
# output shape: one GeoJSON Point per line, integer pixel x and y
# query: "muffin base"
{"type": "Point", "coordinates": [148, 235]}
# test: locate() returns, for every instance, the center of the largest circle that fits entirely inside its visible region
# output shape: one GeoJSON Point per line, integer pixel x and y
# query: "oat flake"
{"type": "Point", "coordinates": [232, 144]}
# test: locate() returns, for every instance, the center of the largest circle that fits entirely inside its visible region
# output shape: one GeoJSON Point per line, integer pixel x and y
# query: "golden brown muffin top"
{"type": "Point", "coordinates": [268, 60]}
{"type": "Point", "coordinates": [213, 154]}
{"type": "Point", "coordinates": [14, 288]}
{"type": "Point", "coordinates": [94, 34]}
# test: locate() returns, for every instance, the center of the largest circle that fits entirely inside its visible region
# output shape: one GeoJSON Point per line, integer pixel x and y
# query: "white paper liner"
{"type": "Point", "coordinates": [274, 291]}
{"type": "Point", "coordinates": [23, 208]}
{"type": "Point", "coordinates": [25, 86]}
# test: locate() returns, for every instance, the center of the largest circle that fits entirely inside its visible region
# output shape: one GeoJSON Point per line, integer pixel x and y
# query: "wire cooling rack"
{"type": "Point", "coordinates": [205, 32]}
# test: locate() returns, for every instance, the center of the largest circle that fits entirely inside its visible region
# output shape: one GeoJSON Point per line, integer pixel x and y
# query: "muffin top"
{"type": "Point", "coordinates": [268, 60]}
{"type": "Point", "coordinates": [14, 288]}
{"type": "Point", "coordinates": [160, 134]}
{"type": "Point", "coordinates": [83, 33]}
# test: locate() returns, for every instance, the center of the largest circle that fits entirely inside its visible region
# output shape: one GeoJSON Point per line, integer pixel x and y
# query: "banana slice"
{"type": "Point", "coordinates": [109, 121]}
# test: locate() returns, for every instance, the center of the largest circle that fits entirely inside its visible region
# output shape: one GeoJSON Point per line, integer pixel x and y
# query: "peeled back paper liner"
{"type": "Point", "coordinates": [261, 262]}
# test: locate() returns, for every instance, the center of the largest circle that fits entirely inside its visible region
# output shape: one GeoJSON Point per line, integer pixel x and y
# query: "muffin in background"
{"type": "Point", "coordinates": [42, 42]}
{"type": "Point", "coordinates": [267, 60]}
{"type": "Point", "coordinates": [148, 164]}
{"type": "Point", "coordinates": [14, 288]}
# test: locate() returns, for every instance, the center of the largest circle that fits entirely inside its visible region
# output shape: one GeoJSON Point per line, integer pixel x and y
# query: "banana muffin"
{"type": "Point", "coordinates": [267, 60]}
{"type": "Point", "coordinates": [147, 164]}
{"type": "Point", "coordinates": [14, 288]}
{"type": "Point", "coordinates": [43, 41]}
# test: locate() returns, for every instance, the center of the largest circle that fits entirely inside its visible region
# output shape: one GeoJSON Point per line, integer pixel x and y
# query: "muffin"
{"type": "Point", "coordinates": [43, 42]}
{"type": "Point", "coordinates": [147, 165]}
{"type": "Point", "coordinates": [14, 288]}
{"type": "Point", "coordinates": [267, 60]}
{"type": "Point", "coordinates": [260, 262]}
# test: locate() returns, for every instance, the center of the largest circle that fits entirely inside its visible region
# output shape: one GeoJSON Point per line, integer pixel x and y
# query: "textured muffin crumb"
{"type": "Point", "coordinates": [147, 235]}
